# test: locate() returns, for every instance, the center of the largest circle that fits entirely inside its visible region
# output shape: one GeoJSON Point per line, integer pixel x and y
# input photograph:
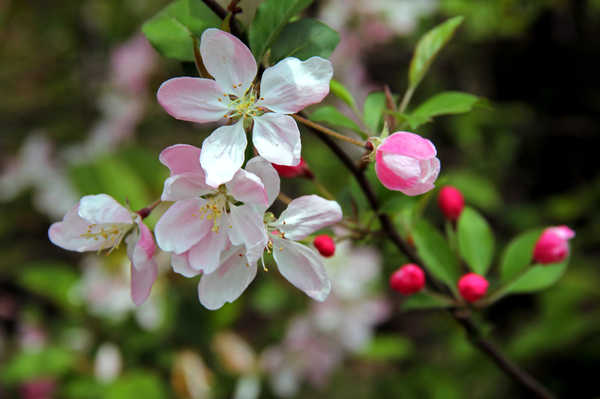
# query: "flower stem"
{"type": "Point", "coordinates": [145, 212]}
{"type": "Point", "coordinates": [284, 198]}
{"type": "Point", "coordinates": [328, 131]}
{"type": "Point", "coordinates": [406, 99]}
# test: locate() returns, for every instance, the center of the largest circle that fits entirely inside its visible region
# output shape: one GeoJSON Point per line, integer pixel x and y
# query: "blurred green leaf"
{"type": "Point", "coordinates": [373, 110]}
{"type": "Point", "coordinates": [304, 39]}
{"type": "Point", "coordinates": [518, 255]}
{"type": "Point", "coordinates": [53, 280]}
{"type": "Point", "coordinates": [270, 18]}
{"type": "Point", "coordinates": [330, 115]}
{"type": "Point", "coordinates": [341, 92]}
{"type": "Point", "coordinates": [447, 103]}
{"type": "Point", "coordinates": [422, 300]}
{"type": "Point", "coordinates": [170, 31]}
{"type": "Point", "coordinates": [27, 365]}
{"type": "Point", "coordinates": [435, 252]}
{"type": "Point", "coordinates": [137, 384]}
{"type": "Point", "coordinates": [388, 347]}
{"type": "Point", "coordinates": [428, 47]}
{"type": "Point", "coordinates": [269, 297]}
{"type": "Point", "coordinates": [475, 240]}
{"type": "Point", "coordinates": [477, 190]}
{"type": "Point", "coordinates": [537, 278]}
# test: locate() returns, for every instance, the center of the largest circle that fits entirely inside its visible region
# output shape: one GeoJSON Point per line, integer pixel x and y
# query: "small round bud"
{"type": "Point", "coordinates": [408, 279]}
{"type": "Point", "coordinates": [325, 245]}
{"type": "Point", "coordinates": [553, 246]}
{"type": "Point", "coordinates": [300, 170]}
{"type": "Point", "coordinates": [472, 287]}
{"type": "Point", "coordinates": [451, 202]}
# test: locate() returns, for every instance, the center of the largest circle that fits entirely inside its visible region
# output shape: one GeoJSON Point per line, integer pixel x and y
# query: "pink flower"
{"type": "Point", "coordinates": [408, 279]}
{"type": "Point", "coordinates": [132, 63]}
{"type": "Point", "coordinates": [98, 222]}
{"type": "Point", "coordinates": [451, 202]}
{"type": "Point", "coordinates": [407, 162]}
{"type": "Point", "coordinates": [325, 245]}
{"type": "Point", "coordinates": [285, 88]}
{"type": "Point", "coordinates": [472, 287]}
{"type": "Point", "coordinates": [552, 246]}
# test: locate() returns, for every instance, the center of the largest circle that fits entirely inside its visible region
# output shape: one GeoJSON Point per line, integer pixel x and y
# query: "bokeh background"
{"type": "Point", "coordinates": [78, 116]}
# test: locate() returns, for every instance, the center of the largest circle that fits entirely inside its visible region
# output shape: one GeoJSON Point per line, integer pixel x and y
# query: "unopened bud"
{"type": "Point", "coordinates": [472, 287]}
{"type": "Point", "coordinates": [408, 279]}
{"type": "Point", "coordinates": [553, 246]}
{"type": "Point", "coordinates": [300, 170]}
{"type": "Point", "coordinates": [325, 245]}
{"type": "Point", "coordinates": [451, 202]}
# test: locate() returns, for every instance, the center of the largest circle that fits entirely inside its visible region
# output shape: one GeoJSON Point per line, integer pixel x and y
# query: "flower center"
{"type": "Point", "coordinates": [243, 107]}
{"type": "Point", "coordinates": [111, 235]}
{"type": "Point", "coordinates": [216, 205]}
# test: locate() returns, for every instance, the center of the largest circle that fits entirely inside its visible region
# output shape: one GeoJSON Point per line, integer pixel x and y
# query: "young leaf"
{"type": "Point", "coordinates": [475, 241]}
{"type": "Point", "coordinates": [331, 116]}
{"type": "Point", "coordinates": [373, 110]}
{"type": "Point", "coordinates": [270, 18]}
{"type": "Point", "coordinates": [338, 90]}
{"type": "Point", "coordinates": [428, 47]}
{"type": "Point", "coordinates": [422, 300]}
{"type": "Point", "coordinates": [518, 255]}
{"type": "Point", "coordinates": [304, 39]}
{"type": "Point", "coordinates": [447, 103]}
{"type": "Point", "coordinates": [170, 31]}
{"type": "Point", "coordinates": [435, 252]}
{"type": "Point", "coordinates": [539, 277]}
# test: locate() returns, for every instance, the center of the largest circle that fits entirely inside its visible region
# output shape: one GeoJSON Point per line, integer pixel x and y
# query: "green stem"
{"type": "Point", "coordinates": [406, 99]}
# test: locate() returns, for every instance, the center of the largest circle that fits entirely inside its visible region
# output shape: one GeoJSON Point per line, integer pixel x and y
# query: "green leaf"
{"type": "Point", "coordinates": [137, 384]}
{"type": "Point", "coordinates": [304, 39]}
{"type": "Point", "coordinates": [270, 18]}
{"type": "Point", "coordinates": [478, 190]}
{"type": "Point", "coordinates": [428, 47]}
{"type": "Point", "coordinates": [475, 241]}
{"type": "Point", "coordinates": [170, 31]}
{"type": "Point", "coordinates": [388, 347]}
{"type": "Point", "coordinates": [330, 115]}
{"type": "Point", "coordinates": [338, 90]}
{"type": "Point", "coordinates": [422, 300]}
{"type": "Point", "coordinates": [55, 281]}
{"type": "Point", "coordinates": [373, 111]}
{"type": "Point", "coordinates": [439, 259]}
{"type": "Point", "coordinates": [447, 103]}
{"type": "Point", "coordinates": [27, 365]}
{"type": "Point", "coordinates": [518, 255]}
{"type": "Point", "coordinates": [539, 277]}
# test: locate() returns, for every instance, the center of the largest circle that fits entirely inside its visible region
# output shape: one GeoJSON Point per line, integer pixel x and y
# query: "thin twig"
{"type": "Point", "coordinates": [222, 13]}
{"type": "Point", "coordinates": [328, 131]}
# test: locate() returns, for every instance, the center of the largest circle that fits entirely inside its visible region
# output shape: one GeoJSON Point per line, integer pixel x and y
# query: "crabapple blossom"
{"type": "Point", "coordinates": [472, 287]}
{"type": "Point", "coordinates": [408, 279]}
{"type": "Point", "coordinates": [325, 245]}
{"type": "Point", "coordinates": [451, 202]}
{"type": "Point", "coordinates": [300, 170]}
{"type": "Point", "coordinates": [552, 246]}
{"type": "Point", "coordinates": [285, 88]}
{"type": "Point", "coordinates": [407, 162]}
{"type": "Point", "coordinates": [97, 223]}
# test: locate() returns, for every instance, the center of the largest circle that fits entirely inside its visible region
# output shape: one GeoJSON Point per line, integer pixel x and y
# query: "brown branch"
{"type": "Point", "coordinates": [222, 13]}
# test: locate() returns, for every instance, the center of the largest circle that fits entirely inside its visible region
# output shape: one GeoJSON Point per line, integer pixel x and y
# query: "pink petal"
{"type": "Point", "coordinates": [228, 60]}
{"type": "Point", "coordinates": [411, 178]}
{"type": "Point", "coordinates": [302, 267]}
{"type": "Point", "coordinates": [307, 214]}
{"type": "Point", "coordinates": [142, 278]}
{"type": "Point", "coordinates": [181, 265]}
{"type": "Point", "coordinates": [268, 175]}
{"type": "Point", "coordinates": [193, 99]}
{"type": "Point", "coordinates": [248, 229]}
{"type": "Point", "coordinates": [143, 245]}
{"type": "Point", "coordinates": [562, 231]}
{"type": "Point", "coordinates": [68, 233]}
{"type": "Point", "coordinates": [277, 138]}
{"type": "Point", "coordinates": [181, 226]}
{"type": "Point", "coordinates": [102, 208]}
{"type": "Point", "coordinates": [291, 84]}
{"type": "Point", "coordinates": [228, 282]}
{"type": "Point", "coordinates": [181, 158]}
{"type": "Point", "coordinates": [408, 144]}
{"type": "Point", "coordinates": [185, 185]}
{"type": "Point", "coordinates": [223, 153]}
{"type": "Point", "coordinates": [205, 255]}
{"type": "Point", "coordinates": [247, 187]}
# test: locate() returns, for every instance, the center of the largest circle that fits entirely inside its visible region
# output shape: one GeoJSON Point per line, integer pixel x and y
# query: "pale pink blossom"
{"type": "Point", "coordinates": [407, 162]}
{"type": "Point", "coordinates": [132, 63]}
{"type": "Point", "coordinates": [553, 245]}
{"type": "Point", "coordinates": [232, 97]}
{"type": "Point", "coordinates": [98, 222]}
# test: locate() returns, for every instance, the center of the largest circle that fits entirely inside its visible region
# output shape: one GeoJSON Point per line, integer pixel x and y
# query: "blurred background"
{"type": "Point", "coordinates": [78, 116]}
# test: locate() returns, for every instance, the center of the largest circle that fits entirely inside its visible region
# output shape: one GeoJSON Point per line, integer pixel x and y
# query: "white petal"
{"type": "Point", "coordinates": [185, 185]}
{"type": "Point", "coordinates": [223, 153]}
{"type": "Point", "coordinates": [228, 60]}
{"type": "Point", "coordinates": [193, 99]}
{"type": "Point", "coordinates": [277, 138]}
{"type": "Point", "coordinates": [181, 227]}
{"type": "Point", "coordinates": [68, 234]}
{"type": "Point", "coordinates": [181, 265]}
{"type": "Point", "coordinates": [268, 175]}
{"type": "Point", "coordinates": [228, 282]}
{"type": "Point", "coordinates": [291, 84]}
{"type": "Point", "coordinates": [307, 214]}
{"type": "Point", "coordinates": [302, 267]}
{"type": "Point", "coordinates": [247, 187]}
{"type": "Point", "coordinates": [142, 278]}
{"type": "Point", "coordinates": [205, 255]}
{"type": "Point", "coordinates": [102, 208]}
{"type": "Point", "coordinates": [248, 229]}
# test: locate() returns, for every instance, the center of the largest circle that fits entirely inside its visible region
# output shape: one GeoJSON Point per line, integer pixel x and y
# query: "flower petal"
{"type": "Point", "coordinates": [247, 187]}
{"type": "Point", "coordinates": [181, 265]}
{"type": "Point", "coordinates": [193, 99]}
{"type": "Point", "coordinates": [412, 177]}
{"type": "Point", "coordinates": [185, 185]}
{"type": "Point", "coordinates": [268, 175]}
{"type": "Point", "coordinates": [307, 214]}
{"type": "Point", "coordinates": [181, 158]}
{"type": "Point", "coordinates": [228, 282]}
{"type": "Point", "coordinates": [408, 144]}
{"type": "Point", "coordinates": [181, 227]}
{"type": "Point", "coordinates": [228, 60]}
{"type": "Point", "coordinates": [223, 153]}
{"type": "Point", "coordinates": [248, 230]}
{"type": "Point", "coordinates": [291, 84]}
{"type": "Point", "coordinates": [277, 138]}
{"type": "Point", "coordinates": [143, 277]}
{"type": "Point", "coordinates": [102, 208]}
{"type": "Point", "coordinates": [140, 245]}
{"type": "Point", "coordinates": [302, 267]}
{"type": "Point", "coordinates": [68, 234]}
{"type": "Point", "coordinates": [205, 255]}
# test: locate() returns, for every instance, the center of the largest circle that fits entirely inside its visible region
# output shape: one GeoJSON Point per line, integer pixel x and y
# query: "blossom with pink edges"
{"type": "Point", "coordinates": [553, 246]}
{"type": "Point", "coordinates": [285, 88]}
{"type": "Point", "coordinates": [407, 162]}
{"type": "Point", "coordinates": [97, 223]}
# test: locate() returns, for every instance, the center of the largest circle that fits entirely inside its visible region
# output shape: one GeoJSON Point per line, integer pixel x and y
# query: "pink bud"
{"type": "Point", "coordinates": [300, 170]}
{"type": "Point", "coordinates": [451, 202]}
{"type": "Point", "coordinates": [408, 279]}
{"type": "Point", "coordinates": [407, 162]}
{"type": "Point", "coordinates": [325, 245]}
{"type": "Point", "coordinates": [552, 246]}
{"type": "Point", "coordinates": [472, 287]}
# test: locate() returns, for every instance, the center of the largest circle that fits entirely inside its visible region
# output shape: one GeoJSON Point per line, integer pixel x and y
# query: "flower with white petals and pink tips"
{"type": "Point", "coordinates": [97, 223]}
{"type": "Point", "coordinates": [232, 97]}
